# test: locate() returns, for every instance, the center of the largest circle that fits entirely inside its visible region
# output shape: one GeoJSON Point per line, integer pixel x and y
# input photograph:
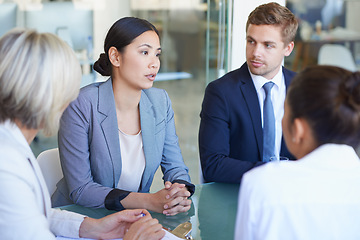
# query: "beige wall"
{"type": "Point", "coordinates": [352, 14]}
{"type": "Point", "coordinates": [106, 12]}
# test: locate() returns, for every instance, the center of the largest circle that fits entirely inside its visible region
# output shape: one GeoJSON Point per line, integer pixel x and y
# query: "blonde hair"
{"type": "Point", "coordinates": [39, 76]}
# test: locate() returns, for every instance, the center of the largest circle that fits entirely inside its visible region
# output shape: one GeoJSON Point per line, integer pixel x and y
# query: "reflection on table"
{"type": "Point", "coordinates": [212, 213]}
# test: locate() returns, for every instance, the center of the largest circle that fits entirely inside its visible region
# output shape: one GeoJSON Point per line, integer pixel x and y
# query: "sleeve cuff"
{"type": "Point", "coordinates": [189, 186]}
{"type": "Point", "coordinates": [112, 200]}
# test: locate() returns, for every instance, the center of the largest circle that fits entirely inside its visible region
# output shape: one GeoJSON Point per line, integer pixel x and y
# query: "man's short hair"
{"type": "Point", "coordinates": [275, 14]}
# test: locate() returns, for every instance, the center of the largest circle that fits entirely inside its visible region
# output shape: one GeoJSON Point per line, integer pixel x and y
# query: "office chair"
{"type": "Point", "coordinates": [336, 55]}
{"type": "Point", "coordinates": [49, 162]}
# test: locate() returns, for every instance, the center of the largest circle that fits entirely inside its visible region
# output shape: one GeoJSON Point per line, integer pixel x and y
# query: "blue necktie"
{"type": "Point", "coordinates": [269, 124]}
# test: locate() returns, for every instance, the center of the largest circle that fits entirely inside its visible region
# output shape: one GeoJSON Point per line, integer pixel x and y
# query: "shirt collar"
{"type": "Point", "coordinates": [16, 133]}
{"type": "Point", "coordinates": [259, 81]}
{"type": "Point", "coordinates": [330, 155]}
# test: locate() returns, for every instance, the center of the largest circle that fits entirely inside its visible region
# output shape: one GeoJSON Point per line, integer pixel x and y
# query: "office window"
{"type": "Point", "coordinates": [193, 38]}
{"type": "Point", "coordinates": [324, 22]}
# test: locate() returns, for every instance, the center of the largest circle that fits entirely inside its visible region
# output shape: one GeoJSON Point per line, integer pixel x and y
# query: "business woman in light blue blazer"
{"type": "Point", "coordinates": [91, 127]}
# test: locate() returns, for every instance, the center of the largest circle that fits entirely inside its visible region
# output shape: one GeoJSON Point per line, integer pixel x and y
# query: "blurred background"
{"type": "Point", "coordinates": [201, 41]}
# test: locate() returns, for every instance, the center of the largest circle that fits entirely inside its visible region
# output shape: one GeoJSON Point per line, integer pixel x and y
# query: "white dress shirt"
{"type": "Point", "coordinates": [25, 207]}
{"type": "Point", "coordinates": [316, 197]}
{"type": "Point", "coordinates": [278, 93]}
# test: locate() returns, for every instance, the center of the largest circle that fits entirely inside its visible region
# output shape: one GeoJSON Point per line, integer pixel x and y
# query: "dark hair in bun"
{"type": "Point", "coordinates": [328, 98]}
{"type": "Point", "coordinates": [121, 34]}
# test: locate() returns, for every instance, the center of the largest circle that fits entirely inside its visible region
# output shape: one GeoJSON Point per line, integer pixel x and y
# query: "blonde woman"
{"type": "Point", "coordinates": [39, 77]}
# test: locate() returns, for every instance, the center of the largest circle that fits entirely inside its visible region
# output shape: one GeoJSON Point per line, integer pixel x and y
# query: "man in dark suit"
{"type": "Point", "coordinates": [231, 134]}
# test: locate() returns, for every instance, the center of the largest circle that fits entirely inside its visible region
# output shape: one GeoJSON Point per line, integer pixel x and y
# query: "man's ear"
{"type": "Point", "coordinates": [289, 48]}
{"type": "Point", "coordinates": [114, 56]}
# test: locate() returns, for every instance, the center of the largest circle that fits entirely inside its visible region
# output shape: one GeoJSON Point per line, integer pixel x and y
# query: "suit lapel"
{"type": "Point", "coordinates": [147, 121]}
{"type": "Point", "coordinates": [250, 96]}
{"type": "Point", "coordinates": [108, 122]}
{"type": "Point", "coordinates": [288, 75]}
{"type": "Point", "coordinates": [249, 92]}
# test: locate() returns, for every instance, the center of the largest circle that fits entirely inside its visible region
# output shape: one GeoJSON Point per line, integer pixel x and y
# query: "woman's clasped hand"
{"type": "Point", "coordinates": [172, 199]}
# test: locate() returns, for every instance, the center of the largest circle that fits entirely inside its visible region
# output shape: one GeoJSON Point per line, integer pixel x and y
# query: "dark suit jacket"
{"type": "Point", "coordinates": [230, 134]}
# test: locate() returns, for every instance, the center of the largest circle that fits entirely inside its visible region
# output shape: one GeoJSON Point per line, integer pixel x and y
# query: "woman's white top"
{"type": "Point", "coordinates": [25, 207]}
{"type": "Point", "coordinates": [316, 197]}
{"type": "Point", "coordinates": [132, 161]}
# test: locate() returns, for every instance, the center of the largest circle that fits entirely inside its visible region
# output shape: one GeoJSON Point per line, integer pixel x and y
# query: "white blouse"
{"type": "Point", "coordinates": [132, 161]}
{"type": "Point", "coordinates": [316, 197]}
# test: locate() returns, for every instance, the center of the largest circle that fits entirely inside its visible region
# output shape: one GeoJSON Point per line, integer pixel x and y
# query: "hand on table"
{"type": "Point", "coordinates": [127, 224]}
{"type": "Point", "coordinates": [171, 200]}
{"type": "Point", "coordinates": [146, 228]}
{"type": "Point", "coordinates": [178, 199]}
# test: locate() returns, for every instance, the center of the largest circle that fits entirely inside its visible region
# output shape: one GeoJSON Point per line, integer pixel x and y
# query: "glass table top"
{"type": "Point", "coordinates": [212, 213]}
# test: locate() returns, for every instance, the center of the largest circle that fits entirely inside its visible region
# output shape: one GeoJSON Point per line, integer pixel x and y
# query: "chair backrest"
{"type": "Point", "coordinates": [336, 55]}
{"type": "Point", "coordinates": [49, 162]}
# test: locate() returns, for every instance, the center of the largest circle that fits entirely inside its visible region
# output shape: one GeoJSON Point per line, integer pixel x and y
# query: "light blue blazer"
{"type": "Point", "coordinates": [90, 150]}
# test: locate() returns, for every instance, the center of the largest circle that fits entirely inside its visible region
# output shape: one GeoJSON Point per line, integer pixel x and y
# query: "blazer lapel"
{"type": "Point", "coordinates": [42, 185]}
{"type": "Point", "coordinates": [288, 75]}
{"type": "Point", "coordinates": [108, 122]}
{"type": "Point", "coordinates": [147, 121]}
{"type": "Point", "coordinates": [16, 137]}
{"type": "Point", "coordinates": [250, 96]}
